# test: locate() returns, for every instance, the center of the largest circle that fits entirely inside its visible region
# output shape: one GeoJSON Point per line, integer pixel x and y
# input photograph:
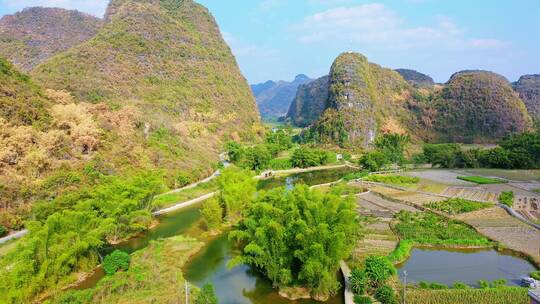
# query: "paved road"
{"type": "Point", "coordinates": [13, 236]}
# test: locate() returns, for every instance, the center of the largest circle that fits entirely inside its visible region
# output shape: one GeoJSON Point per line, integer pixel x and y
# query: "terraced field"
{"type": "Point", "coordinates": [498, 225]}
{"type": "Point", "coordinates": [408, 196]}
{"type": "Point", "coordinates": [475, 194]}
{"type": "Point", "coordinates": [379, 238]}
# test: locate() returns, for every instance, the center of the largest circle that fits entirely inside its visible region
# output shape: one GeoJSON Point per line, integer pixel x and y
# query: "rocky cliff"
{"type": "Point", "coordinates": [309, 103]}
{"type": "Point", "coordinates": [36, 34]}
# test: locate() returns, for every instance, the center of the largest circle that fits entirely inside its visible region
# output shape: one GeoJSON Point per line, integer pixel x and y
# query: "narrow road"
{"type": "Point", "coordinates": [13, 236]}
{"type": "Point", "coordinates": [348, 294]}
{"type": "Point", "coordinates": [184, 204]}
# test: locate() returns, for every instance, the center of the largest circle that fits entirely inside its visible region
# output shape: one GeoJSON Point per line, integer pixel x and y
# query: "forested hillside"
{"type": "Point", "coordinates": [34, 35]}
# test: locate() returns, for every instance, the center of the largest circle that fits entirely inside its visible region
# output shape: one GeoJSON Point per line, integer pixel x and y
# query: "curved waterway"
{"type": "Point", "coordinates": [468, 266]}
{"type": "Point", "coordinates": [240, 285]}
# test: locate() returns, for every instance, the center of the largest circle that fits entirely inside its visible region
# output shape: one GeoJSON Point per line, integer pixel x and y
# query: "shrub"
{"type": "Point", "coordinates": [207, 295]}
{"type": "Point", "coordinates": [378, 269]}
{"type": "Point", "coordinates": [535, 275]}
{"type": "Point", "coordinates": [355, 175]}
{"type": "Point", "coordinates": [118, 260]}
{"type": "Point", "coordinates": [362, 299]}
{"type": "Point", "coordinates": [460, 285]}
{"type": "Point", "coordinates": [373, 161]}
{"type": "Point", "coordinates": [212, 213]}
{"type": "Point", "coordinates": [498, 283]}
{"type": "Point", "coordinates": [435, 285]}
{"type": "Point", "coordinates": [280, 164]}
{"type": "Point", "coordinates": [358, 281]}
{"type": "Point", "coordinates": [3, 231]}
{"type": "Point", "coordinates": [386, 295]}
{"type": "Point", "coordinates": [483, 284]}
{"type": "Point", "coordinates": [507, 198]}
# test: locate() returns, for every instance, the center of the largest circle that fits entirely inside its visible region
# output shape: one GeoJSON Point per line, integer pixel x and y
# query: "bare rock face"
{"type": "Point", "coordinates": [34, 35]}
{"type": "Point", "coordinates": [479, 106]}
{"type": "Point", "coordinates": [309, 103]}
{"type": "Point", "coordinates": [528, 88]}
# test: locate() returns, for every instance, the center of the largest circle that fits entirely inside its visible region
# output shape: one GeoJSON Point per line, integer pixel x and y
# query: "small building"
{"type": "Point", "coordinates": [534, 294]}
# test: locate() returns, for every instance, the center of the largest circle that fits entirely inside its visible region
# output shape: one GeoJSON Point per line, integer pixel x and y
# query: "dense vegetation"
{"type": "Point", "coordinates": [478, 106]}
{"type": "Point", "coordinates": [117, 260]}
{"type": "Point", "coordinates": [515, 295]}
{"type": "Point", "coordinates": [69, 231]}
{"type": "Point", "coordinates": [298, 237]}
{"type": "Point", "coordinates": [520, 151]}
{"type": "Point", "coordinates": [154, 276]}
{"type": "Point", "coordinates": [430, 229]}
{"type": "Point", "coordinates": [372, 279]}
{"type": "Point", "coordinates": [455, 206]}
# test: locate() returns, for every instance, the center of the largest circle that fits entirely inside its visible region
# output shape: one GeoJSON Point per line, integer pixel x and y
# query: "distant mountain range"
{"type": "Point", "coordinates": [275, 97]}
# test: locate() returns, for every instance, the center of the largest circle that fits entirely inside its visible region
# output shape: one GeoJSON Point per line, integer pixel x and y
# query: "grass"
{"type": "Point", "coordinates": [514, 295]}
{"type": "Point", "coordinates": [457, 206]}
{"type": "Point", "coordinates": [482, 180]}
{"type": "Point", "coordinates": [154, 276]}
{"type": "Point", "coordinates": [167, 200]}
{"type": "Point", "coordinates": [398, 180]}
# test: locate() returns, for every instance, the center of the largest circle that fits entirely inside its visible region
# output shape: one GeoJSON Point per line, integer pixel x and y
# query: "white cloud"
{"type": "Point", "coordinates": [93, 7]}
{"type": "Point", "coordinates": [375, 26]}
{"type": "Point", "coordinates": [488, 43]}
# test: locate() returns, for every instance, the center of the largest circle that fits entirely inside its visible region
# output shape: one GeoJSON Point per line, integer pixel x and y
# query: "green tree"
{"type": "Point", "coordinates": [298, 237]}
{"type": "Point", "coordinates": [256, 158]}
{"type": "Point", "coordinates": [118, 260]}
{"type": "Point", "coordinates": [280, 138]}
{"type": "Point", "coordinates": [373, 161]}
{"type": "Point", "coordinates": [304, 158]}
{"type": "Point", "coordinates": [235, 151]}
{"type": "Point", "coordinates": [392, 145]}
{"type": "Point", "coordinates": [237, 191]}
{"type": "Point", "coordinates": [378, 269]}
{"type": "Point", "coordinates": [212, 213]}
{"type": "Point", "coordinates": [207, 295]}
{"type": "Point", "coordinates": [3, 230]}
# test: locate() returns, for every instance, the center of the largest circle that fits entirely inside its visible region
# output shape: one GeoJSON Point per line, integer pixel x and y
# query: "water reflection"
{"type": "Point", "coordinates": [468, 266]}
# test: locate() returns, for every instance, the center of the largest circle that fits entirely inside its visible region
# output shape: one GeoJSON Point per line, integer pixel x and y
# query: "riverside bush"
{"type": "Point", "coordinates": [118, 260]}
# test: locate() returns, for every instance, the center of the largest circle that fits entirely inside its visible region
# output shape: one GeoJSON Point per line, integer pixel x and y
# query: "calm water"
{"type": "Point", "coordinates": [307, 178]}
{"type": "Point", "coordinates": [468, 266]}
{"type": "Point", "coordinates": [239, 285]}
{"type": "Point", "coordinates": [236, 286]}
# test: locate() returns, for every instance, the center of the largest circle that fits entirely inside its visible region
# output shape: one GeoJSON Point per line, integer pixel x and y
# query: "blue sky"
{"type": "Point", "coordinates": [277, 39]}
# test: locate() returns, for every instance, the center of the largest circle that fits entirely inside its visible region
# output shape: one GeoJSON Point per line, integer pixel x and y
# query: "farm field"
{"type": "Point", "coordinates": [498, 225]}
{"type": "Point", "coordinates": [514, 295]}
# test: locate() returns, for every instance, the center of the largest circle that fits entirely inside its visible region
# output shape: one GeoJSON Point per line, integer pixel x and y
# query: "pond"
{"type": "Point", "coordinates": [307, 178]}
{"type": "Point", "coordinates": [468, 266]}
{"type": "Point", "coordinates": [240, 285]}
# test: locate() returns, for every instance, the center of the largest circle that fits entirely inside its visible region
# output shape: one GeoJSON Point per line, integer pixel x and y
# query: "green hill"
{"type": "Point", "coordinates": [478, 106]}
{"type": "Point", "coordinates": [364, 100]}
{"type": "Point", "coordinates": [528, 88]}
{"type": "Point", "coordinates": [156, 89]}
